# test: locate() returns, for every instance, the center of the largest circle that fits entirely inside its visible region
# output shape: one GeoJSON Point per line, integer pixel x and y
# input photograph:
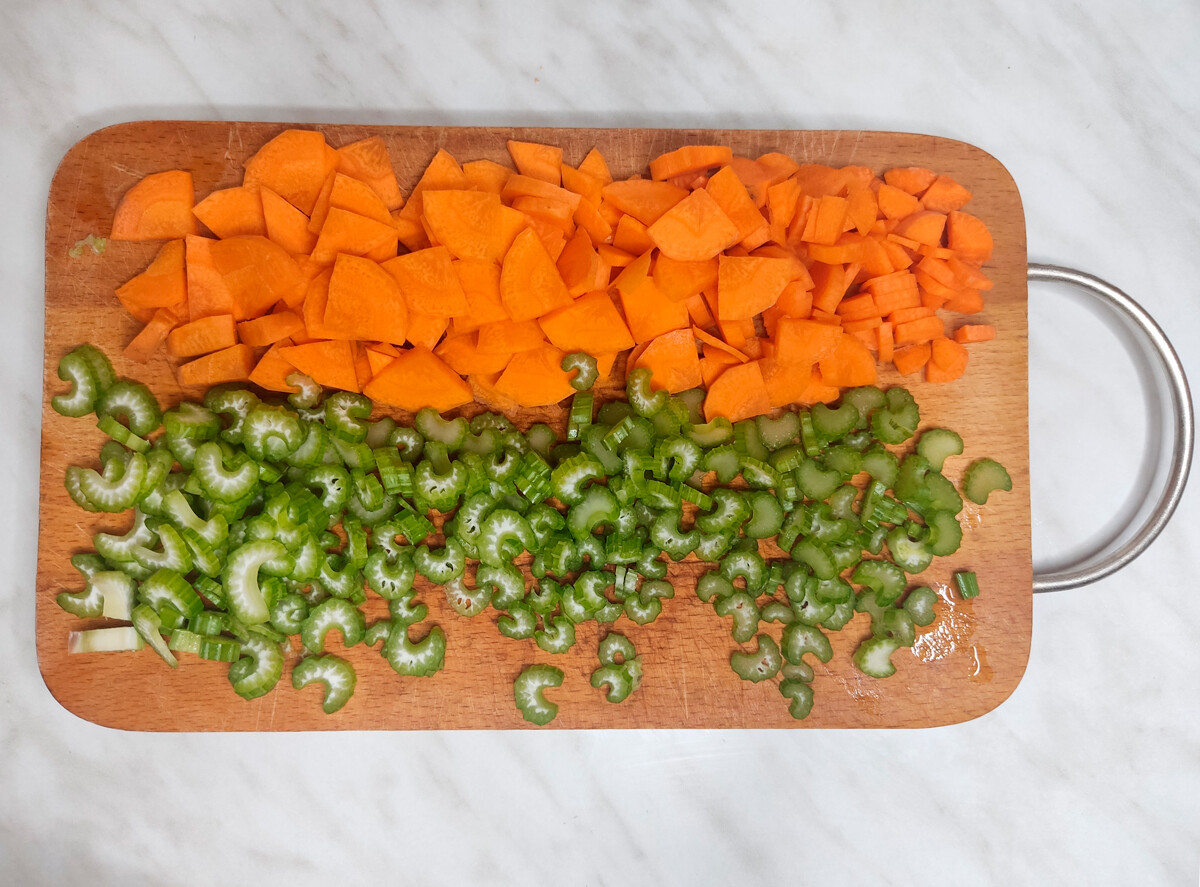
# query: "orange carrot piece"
{"type": "Point", "coordinates": [689, 159]}
{"type": "Point", "coordinates": [553, 238]}
{"type": "Point", "coordinates": [738, 333]}
{"type": "Point", "coordinates": [747, 285]}
{"type": "Point", "coordinates": [243, 276]}
{"type": "Point", "coordinates": [805, 341]}
{"type": "Point", "coordinates": [693, 230]}
{"type": "Point", "coordinates": [153, 334]}
{"type": "Point", "coordinates": [829, 285]}
{"type": "Point", "coordinates": [615, 258]}
{"type": "Point", "coordinates": [910, 179]}
{"type": "Point", "coordinates": [862, 208]}
{"type": "Point", "coordinates": [947, 360]}
{"type": "Point", "coordinates": [553, 212]}
{"type": "Point", "coordinates": [518, 185]}
{"type": "Point", "coordinates": [321, 207]}
{"type": "Point", "coordinates": [536, 160]}
{"type": "Point", "coordinates": [356, 196]}
{"type": "Point", "coordinates": [885, 342]}
{"type": "Point", "coordinates": [895, 203]}
{"type": "Point", "coordinates": [829, 221]}
{"type": "Point", "coordinates": [857, 307]}
{"type": "Point", "coordinates": [590, 323]}
{"type": "Point", "coordinates": [162, 285]}
{"type": "Point", "coordinates": [777, 165]}
{"type": "Point", "coordinates": [923, 226]}
{"type": "Point", "coordinates": [894, 300]}
{"type": "Point", "coordinates": [968, 274]}
{"type": "Point", "coordinates": [272, 370]}
{"type": "Point", "coordinates": [579, 264]}
{"type": "Point", "coordinates": [796, 300]}
{"type": "Point", "coordinates": [586, 186]}
{"type": "Point", "coordinates": [738, 393]}
{"type": "Point", "coordinates": [904, 315]}
{"type": "Point", "coordinates": [530, 284]}
{"type": "Point", "coordinates": [378, 360]}
{"type": "Point", "coordinates": [672, 360]}
{"type": "Point", "coordinates": [464, 222]}
{"type": "Point", "coordinates": [418, 378]}
{"type": "Point", "coordinates": [509, 337]}
{"type": "Point", "coordinates": [588, 218]}
{"type": "Point", "coordinates": [327, 362]}
{"type": "Point", "coordinates": [782, 201]}
{"type": "Point", "coordinates": [965, 302]}
{"type": "Point", "coordinates": [442, 174]}
{"type": "Point", "coordinates": [232, 211]}
{"type": "Point", "coordinates": [818, 180]}
{"type": "Point", "coordinates": [596, 166]}
{"type": "Point", "coordinates": [480, 283]}
{"type": "Point", "coordinates": [159, 207]}
{"type": "Point", "coordinates": [362, 365]}
{"type": "Point", "coordinates": [232, 364]}
{"type": "Point", "coordinates": [754, 176]}
{"type": "Point", "coordinates": [735, 201]}
{"type": "Point", "coordinates": [429, 282]}
{"type": "Point", "coordinates": [897, 254]}
{"type": "Point", "coordinates": [819, 390]}
{"type": "Point", "coordinates": [631, 235]}
{"type": "Point", "coordinates": [698, 311]}
{"type": "Point", "coordinates": [974, 332]}
{"type": "Point", "coordinates": [866, 324]}
{"type": "Point", "coordinates": [850, 365]}
{"type": "Point", "coordinates": [284, 224]}
{"type": "Point", "coordinates": [643, 199]}
{"type": "Point", "coordinates": [680, 280]}
{"type": "Point", "coordinates": [347, 232]}
{"type": "Point", "coordinates": [536, 378]}
{"type": "Point", "coordinates": [487, 175]}
{"type": "Point", "coordinates": [944, 195]}
{"type": "Point", "coordinates": [632, 275]}
{"type": "Point", "coordinates": [968, 236]}
{"type": "Point", "coordinates": [921, 330]}
{"type": "Point", "coordinates": [462, 355]}
{"type": "Point", "coordinates": [786, 383]}
{"type": "Point", "coordinates": [367, 161]}
{"type": "Point", "coordinates": [713, 342]}
{"type": "Point", "coordinates": [270, 328]}
{"type": "Point", "coordinates": [649, 313]}
{"type": "Point", "coordinates": [911, 358]}
{"type": "Point", "coordinates": [294, 165]}
{"type": "Point", "coordinates": [426, 330]}
{"type": "Point", "coordinates": [316, 297]}
{"type": "Point", "coordinates": [366, 301]}
{"type": "Point", "coordinates": [713, 363]}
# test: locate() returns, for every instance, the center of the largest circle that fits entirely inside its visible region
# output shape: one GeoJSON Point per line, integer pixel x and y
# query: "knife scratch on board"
{"type": "Point", "coordinates": [129, 171]}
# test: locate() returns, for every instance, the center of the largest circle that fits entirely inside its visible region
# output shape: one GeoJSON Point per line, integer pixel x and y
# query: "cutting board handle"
{"type": "Point", "coordinates": [1155, 344]}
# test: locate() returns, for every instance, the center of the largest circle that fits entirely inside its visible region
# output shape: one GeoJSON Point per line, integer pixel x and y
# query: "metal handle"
{"type": "Point", "coordinates": [1105, 563]}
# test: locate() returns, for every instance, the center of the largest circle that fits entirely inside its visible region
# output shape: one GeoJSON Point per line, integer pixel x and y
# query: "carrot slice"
{"type": "Point", "coordinates": [429, 282]}
{"type": "Point", "coordinates": [974, 332]}
{"type": "Point", "coordinates": [426, 330]}
{"type": "Point", "coordinates": [968, 236]}
{"type": "Point", "coordinates": [159, 207]}
{"type": "Point", "coordinates": [631, 236]}
{"type": "Point", "coordinates": [579, 264]}
{"type": "Point", "coordinates": [944, 195]}
{"type": "Point", "coordinates": [672, 361]}
{"type": "Point", "coordinates": [530, 284]}
{"type": "Point", "coordinates": [232, 364]}
{"type": "Point", "coordinates": [272, 370]}
{"type": "Point", "coordinates": [910, 179]}
{"type": "Point", "coordinates": [713, 363]}
{"type": "Point", "coordinates": [464, 222]}
{"type": "Point", "coordinates": [650, 313]}
{"type": "Point", "coordinates": [358, 197]}
{"type": "Point", "coordinates": [681, 280]}
{"type": "Point", "coordinates": [367, 161]}
{"type": "Point", "coordinates": [694, 229]}
{"type": "Point", "coordinates": [591, 323]}
{"type": "Point", "coordinates": [509, 336]}
{"type": "Point", "coordinates": [643, 199]}
{"type": "Point", "coordinates": [738, 393]}
{"type": "Point", "coordinates": [819, 180]}
{"type": "Point", "coordinates": [365, 301]}
{"type": "Point", "coordinates": [270, 328]}
{"type": "Point", "coordinates": [243, 276]}
{"type": "Point", "coordinates": [347, 232]}
{"type": "Point", "coordinates": [921, 330]}
{"type": "Point", "coordinates": [442, 174]}
{"type": "Point", "coordinates": [947, 360]}
{"type": "Point", "coordinates": [911, 358]}
{"type": "Point", "coordinates": [735, 201]}
{"type": "Point", "coordinates": [819, 390]}
{"type": "Point", "coordinates": [162, 285]}
{"type": "Point", "coordinates": [689, 159]}
{"type": "Point", "coordinates": [417, 379]}
{"type": "Point", "coordinates": [285, 225]}
{"type": "Point", "coordinates": [232, 211]}
{"type": "Point", "coordinates": [923, 226]}
{"type": "Point", "coordinates": [328, 362]}
{"type": "Point", "coordinates": [805, 341]}
{"type": "Point", "coordinates": [295, 165]}
{"type": "Point", "coordinates": [588, 218]}
{"type": "Point", "coordinates": [596, 166]}
{"type": "Point", "coordinates": [153, 334]}
{"type": "Point", "coordinates": [480, 283]}
{"type": "Point", "coordinates": [584, 184]}
{"type": "Point", "coordinates": [535, 378]}
{"type": "Point", "coordinates": [786, 383]}
{"type": "Point", "coordinates": [714, 342]}
{"type": "Point", "coordinates": [851, 364]}
{"type": "Point", "coordinates": [536, 160]}
{"type": "Point", "coordinates": [487, 175]}
{"type": "Point", "coordinates": [462, 355]}
{"type": "Point", "coordinates": [747, 285]}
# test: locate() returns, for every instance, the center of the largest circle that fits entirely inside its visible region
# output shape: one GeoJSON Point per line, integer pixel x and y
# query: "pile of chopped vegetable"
{"type": "Point", "coordinates": [766, 281]}
{"type": "Point", "coordinates": [261, 524]}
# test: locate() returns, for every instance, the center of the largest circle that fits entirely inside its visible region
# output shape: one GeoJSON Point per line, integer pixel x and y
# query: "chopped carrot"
{"type": "Point", "coordinates": [416, 379]}
{"type": "Point", "coordinates": [530, 284]}
{"type": "Point", "coordinates": [698, 311]}
{"type": "Point", "coordinates": [328, 362]}
{"type": "Point", "coordinates": [693, 230]}
{"type": "Point", "coordinates": [885, 342]}
{"type": "Point", "coordinates": [911, 358]}
{"type": "Point", "coordinates": [713, 363]}
{"type": "Point", "coordinates": [921, 330]}
{"type": "Point", "coordinates": [748, 285]}
{"type": "Point", "coordinates": [590, 323]}
{"type": "Point", "coordinates": [509, 336]}
{"type": "Point", "coordinates": [974, 332]}
{"type": "Point", "coordinates": [944, 195]}
{"type": "Point", "coordinates": [480, 283]}
{"type": "Point", "coordinates": [162, 285]}
{"type": "Point", "coordinates": [358, 197]}
{"type": "Point", "coordinates": [895, 203]}
{"type": "Point", "coordinates": [294, 165]}
{"type": "Point", "coordinates": [347, 232]}
{"type": "Point", "coordinates": [923, 226]}
{"type": "Point", "coordinates": [805, 341]}
{"type": "Point", "coordinates": [536, 160]}
{"type": "Point", "coordinates": [367, 161]}
{"type": "Point", "coordinates": [464, 222]}
{"type": "Point", "coordinates": [643, 199]}
{"type": "Point", "coordinates": [487, 175]}
{"type": "Point", "coordinates": [428, 281]}
{"type": "Point", "coordinates": [365, 301]}
{"type": "Point", "coordinates": [232, 211]}
{"type": "Point", "coordinates": [738, 393]}
{"type": "Point", "coordinates": [851, 364]}
{"type": "Point", "coordinates": [649, 313]}
{"type": "Point", "coordinates": [689, 159]}
{"type": "Point", "coordinates": [272, 370]}
{"type": "Point", "coordinates": [232, 364]}
{"type": "Point", "coordinates": [536, 378]}
{"type": "Point", "coordinates": [142, 347]}
{"type": "Point", "coordinates": [965, 302]}
{"type": "Point", "coordinates": [735, 201]}
{"type": "Point", "coordinates": [786, 383]}
{"type": "Point", "coordinates": [947, 360]}
{"type": "Point", "coordinates": [587, 218]}
{"type": "Point", "coordinates": [596, 166]}
{"type": "Point", "coordinates": [910, 179]}
{"type": "Point", "coordinates": [680, 280]}
{"type": "Point", "coordinates": [159, 207]}
{"type": "Point", "coordinates": [270, 328]}
{"type": "Point", "coordinates": [426, 330]}
{"type": "Point", "coordinates": [672, 360]}
{"type": "Point", "coordinates": [632, 236]}
{"type": "Point", "coordinates": [284, 224]}
{"type": "Point", "coordinates": [713, 342]}
{"type": "Point", "coordinates": [585, 185]}
{"type": "Point", "coordinates": [632, 275]}
{"type": "Point", "coordinates": [462, 354]}
{"type": "Point", "coordinates": [968, 236]}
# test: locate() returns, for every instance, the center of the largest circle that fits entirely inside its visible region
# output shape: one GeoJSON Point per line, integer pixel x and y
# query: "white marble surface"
{"type": "Point", "coordinates": [1089, 774]}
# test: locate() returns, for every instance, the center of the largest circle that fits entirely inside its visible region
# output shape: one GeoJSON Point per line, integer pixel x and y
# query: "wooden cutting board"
{"type": "Point", "coordinates": [964, 665]}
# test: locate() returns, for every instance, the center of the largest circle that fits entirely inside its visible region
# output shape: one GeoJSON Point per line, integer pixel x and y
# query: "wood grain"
{"type": "Point", "coordinates": [963, 666]}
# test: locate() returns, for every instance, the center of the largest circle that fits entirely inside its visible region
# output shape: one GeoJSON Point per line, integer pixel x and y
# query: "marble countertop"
{"type": "Point", "coordinates": [1088, 774]}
